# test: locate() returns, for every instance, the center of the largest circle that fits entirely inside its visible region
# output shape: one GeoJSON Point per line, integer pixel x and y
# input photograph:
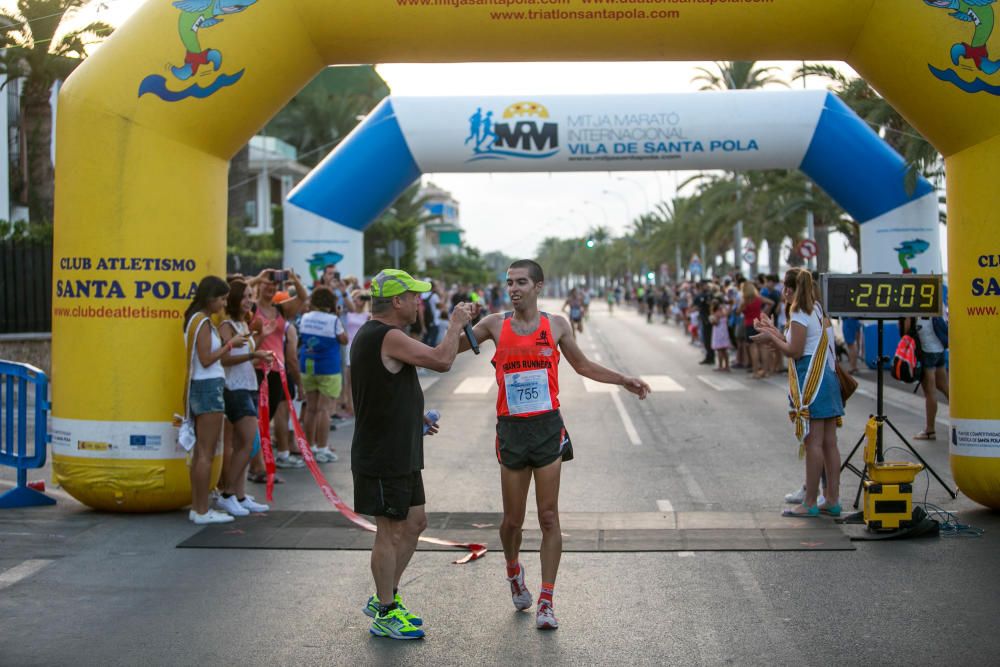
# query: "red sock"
{"type": "Point", "coordinates": [546, 595]}
{"type": "Point", "coordinates": [513, 567]}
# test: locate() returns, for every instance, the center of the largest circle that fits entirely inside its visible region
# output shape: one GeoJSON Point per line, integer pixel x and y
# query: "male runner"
{"type": "Point", "coordinates": [387, 453]}
{"type": "Point", "coordinates": [575, 305]}
{"type": "Point", "coordinates": [531, 439]}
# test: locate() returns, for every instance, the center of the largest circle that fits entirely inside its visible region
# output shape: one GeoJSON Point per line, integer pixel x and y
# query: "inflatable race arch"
{"type": "Point", "coordinates": [737, 130]}
{"type": "Point", "coordinates": [148, 123]}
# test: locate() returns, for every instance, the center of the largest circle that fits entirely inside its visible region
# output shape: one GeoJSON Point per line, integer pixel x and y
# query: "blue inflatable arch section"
{"type": "Point", "coordinates": [814, 131]}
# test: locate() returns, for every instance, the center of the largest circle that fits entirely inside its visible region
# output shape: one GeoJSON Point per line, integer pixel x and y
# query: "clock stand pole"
{"type": "Point", "coordinates": [881, 420]}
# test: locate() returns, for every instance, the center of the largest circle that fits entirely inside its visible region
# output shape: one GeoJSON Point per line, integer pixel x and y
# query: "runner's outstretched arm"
{"type": "Point", "coordinates": [589, 369]}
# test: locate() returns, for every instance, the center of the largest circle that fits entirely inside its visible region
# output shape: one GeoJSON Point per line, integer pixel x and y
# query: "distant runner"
{"type": "Point", "coordinates": [575, 304]}
{"type": "Point", "coordinates": [531, 439]}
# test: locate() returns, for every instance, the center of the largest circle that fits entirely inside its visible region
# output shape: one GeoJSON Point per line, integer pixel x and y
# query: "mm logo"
{"type": "Point", "coordinates": [524, 131]}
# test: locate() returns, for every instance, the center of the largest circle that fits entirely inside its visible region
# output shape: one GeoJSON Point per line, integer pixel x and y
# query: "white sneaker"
{"type": "Point", "coordinates": [289, 462]}
{"type": "Point", "coordinates": [796, 497]}
{"type": "Point", "coordinates": [232, 506]}
{"type": "Point", "coordinates": [211, 516]}
{"type": "Point", "coordinates": [519, 593]}
{"type": "Point", "coordinates": [252, 505]}
{"type": "Point", "coordinates": [325, 455]}
{"type": "Point", "coordinates": [799, 496]}
{"type": "Point", "coordinates": [545, 617]}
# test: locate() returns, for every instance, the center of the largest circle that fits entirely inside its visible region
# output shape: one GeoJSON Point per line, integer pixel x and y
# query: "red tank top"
{"type": "Point", "coordinates": [527, 369]}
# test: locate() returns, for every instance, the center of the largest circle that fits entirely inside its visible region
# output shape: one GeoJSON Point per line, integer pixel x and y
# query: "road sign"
{"type": "Point", "coordinates": [807, 249]}
{"type": "Point", "coordinates": [750, 256]}
{"type": "Point", "coordinates": [750, 246]}
{"type": "Point", "coordinates": [396, 250]}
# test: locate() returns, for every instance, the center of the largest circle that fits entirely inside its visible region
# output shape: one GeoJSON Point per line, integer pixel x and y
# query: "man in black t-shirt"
{"type": "Point", "coordinates": [703, 302]}
{"type": "Point", "coordinates": [387, 453]}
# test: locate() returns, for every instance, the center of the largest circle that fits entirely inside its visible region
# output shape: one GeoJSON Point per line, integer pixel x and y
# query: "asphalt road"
{"type": "Point", "coordinates": [85, 588]}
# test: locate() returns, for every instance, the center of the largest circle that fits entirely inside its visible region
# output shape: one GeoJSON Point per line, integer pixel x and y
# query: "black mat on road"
{"type": "Point", "coordinates": [331, 531]}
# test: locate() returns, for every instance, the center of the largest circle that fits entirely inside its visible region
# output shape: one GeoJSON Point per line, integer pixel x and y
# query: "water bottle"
{"type": "Point", "coordinates": [434, 416]}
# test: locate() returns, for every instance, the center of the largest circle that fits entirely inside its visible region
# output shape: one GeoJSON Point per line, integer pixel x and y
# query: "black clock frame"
{"type": "Point", "coordinates": [831, 282]}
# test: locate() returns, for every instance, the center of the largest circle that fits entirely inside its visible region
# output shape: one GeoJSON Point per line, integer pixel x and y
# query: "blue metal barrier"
{"type": "Point", "coordinates": [14, 380]}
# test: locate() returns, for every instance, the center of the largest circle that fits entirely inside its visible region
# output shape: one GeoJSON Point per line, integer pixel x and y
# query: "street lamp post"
{"type": "Point", "coordinates": [601, 209]}
{"type": "Point", "coordinates": [637, 184]}
{"type": "Point", "coordinates": [628, 211]}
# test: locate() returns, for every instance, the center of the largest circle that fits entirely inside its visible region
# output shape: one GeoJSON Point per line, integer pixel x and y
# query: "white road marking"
{"type": "Point", "coordinates": [594, 387]}
{"type": "Point", "coordinates": [428, 381]}
{"type": "Point", "coordinates": [21, 571]}
{"type": "Point", "coordinates": [719, 383]}
{"type": "Point", "coordinates": [633, 435]}
{"type": "Point", "coordinates": [693, 488]}
{"type": "Point", "coordinates": [475, 385]}
{"type": "Point", "coordinates": [664, 506]}
{"type": "Point", "coordinates": [685, 554]}
{"type": "Point", "coordinates": [662, 383]}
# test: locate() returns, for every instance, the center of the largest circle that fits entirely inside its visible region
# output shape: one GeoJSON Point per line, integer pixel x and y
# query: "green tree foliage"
{"type": "Point", "coordinates": [326, 110]}
{"type": "Point", "coordinates": [40, 51]}
{"type": "Point", "coordinates": [921, 157]}
{"type": "Point", "coordinates": [463, 268]}
{"type": "Point", "coordinates": [400, 221]}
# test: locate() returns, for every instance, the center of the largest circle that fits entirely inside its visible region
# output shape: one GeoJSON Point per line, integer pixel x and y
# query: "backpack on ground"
{"type": "Point", "coordinates": [904, 362]}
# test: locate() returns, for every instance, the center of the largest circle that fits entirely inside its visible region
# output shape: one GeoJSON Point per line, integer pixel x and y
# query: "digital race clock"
{"type": "Point", "coordinates": [882, 295]}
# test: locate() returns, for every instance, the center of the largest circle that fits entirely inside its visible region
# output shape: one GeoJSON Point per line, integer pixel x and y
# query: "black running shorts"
{"type": "Point", "coordinates": [533, 442]}
{"type": "Point", "coordinates": [391, 497]}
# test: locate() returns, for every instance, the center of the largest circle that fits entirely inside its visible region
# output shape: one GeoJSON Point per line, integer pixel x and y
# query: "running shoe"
{"type": "Point", "coordinates": [289, 462]}
{"type": "Point", "coordinates": [325, 455]}
{"type": "Point", "coordinates": [545, 617]}
{"type": "Point", "coordinates": [519, 593]}
{"type": "Point", "coordinates": [371, 609]}
{"type": "Point", "coordinates": [796, 497]}
{"type": "Point", "coordinates": [211, 516]}
{"type": "Point", "coordinates": [394, 626]}
{"type": "Point", "coordinates": [799, 496]}
{"type": "Point", "coordinates": [253, 506]}
{"type": "Point", "coordinates": [231, 505]}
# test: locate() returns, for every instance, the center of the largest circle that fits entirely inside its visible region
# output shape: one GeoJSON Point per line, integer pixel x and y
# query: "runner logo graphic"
{"type": "Point", "coordinates": [524, 133]}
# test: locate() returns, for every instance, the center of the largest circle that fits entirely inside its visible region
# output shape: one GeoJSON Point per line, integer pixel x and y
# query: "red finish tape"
{"type": "Point", "coordinates": [476, 551]}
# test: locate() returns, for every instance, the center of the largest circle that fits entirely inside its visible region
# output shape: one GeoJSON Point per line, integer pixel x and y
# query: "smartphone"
{"type": "Point", "coordinates": [336, 275]}
{"type": "Point", "coordinates": [279, 276]}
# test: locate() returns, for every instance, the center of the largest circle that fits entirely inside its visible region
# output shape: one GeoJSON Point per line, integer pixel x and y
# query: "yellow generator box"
{"type": "Point", "coordinates": [888, 506]}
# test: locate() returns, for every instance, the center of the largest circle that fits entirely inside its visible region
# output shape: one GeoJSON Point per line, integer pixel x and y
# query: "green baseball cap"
{"type": "Point", "coordinates": [393, 282]}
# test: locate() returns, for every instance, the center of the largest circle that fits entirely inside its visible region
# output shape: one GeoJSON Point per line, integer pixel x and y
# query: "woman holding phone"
{"type": "Point", "coordinates": [206, 380]}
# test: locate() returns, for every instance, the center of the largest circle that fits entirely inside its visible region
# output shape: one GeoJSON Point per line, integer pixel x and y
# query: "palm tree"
{"type": "Point", "coordinates": [921, 157]}
{"type": "Point", "coordinates": [737, 75]}
{"type": "Point", "coordinates": [399, 222]}
{"type": "Point", "coordinates": [33, 53]}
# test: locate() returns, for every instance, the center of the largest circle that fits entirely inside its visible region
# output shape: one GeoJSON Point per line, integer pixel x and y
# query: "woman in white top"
{"type": "Point", "coordinates": [240, 397]}
{"type": "Point", "coordinates": [801, 343]}
{"type": "Point", "coordinates": [933, 373]}
{"type": "Point", "coordinates": [207, 380]}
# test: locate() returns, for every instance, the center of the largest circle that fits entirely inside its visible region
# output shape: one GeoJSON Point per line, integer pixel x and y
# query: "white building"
{"type": "Point", "coordinates": [13, 152]}
{"type": "Point", "coordinates": [274, 171]}
{"type": "Point", "coordinates": [443, 235]}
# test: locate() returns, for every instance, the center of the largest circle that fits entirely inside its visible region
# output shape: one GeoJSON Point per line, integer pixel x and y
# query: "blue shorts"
{"type": "Point", "coordinates": [852, 327]}
{"type": "Point", "coordinates": [931, 360]}
{"type": "Point", "coordinates": [206, 396]}
{"type": "Point", "coordinates": [239, 403]}
{"type": "Point", "coordinates": [827, 403]}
